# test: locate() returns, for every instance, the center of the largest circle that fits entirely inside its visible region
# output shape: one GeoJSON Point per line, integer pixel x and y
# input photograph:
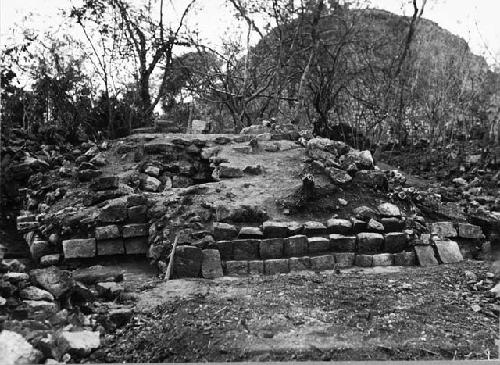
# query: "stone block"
{"type": "Point", "coordinates": [369, 243]}
{"type": "Point", "coordinates": [105, 183]}
{"type": "Point", "coordinates": [113, 213]}
{"type": "Point", "coordinates": [135, 230]}
{"type": "Point", "coordinates": [344, 259]}
{"type": "Point", "coordinates": [211, 266]}
{"type": "Point", "coordinates": [313, 228]}
{"type": "Point", "coordinates": [393, 224]}
{"type": "Point", "coordinates": [250, 232]}
{"type": "Point", "coordinates": [341, 243]}
{"type": "Point", "coordinates": [383, 259]}
{"type": "Point", "coordinates": [405, 259]}
{"type": "Point", "coordinates": [363, 260]}
{"type": "Point", "coordinates": [389, 210]}
{"type": "Point", "coordinates": [40, 248]}
{"type": "Point", "coordinates": [226, 249]}
{"type": "Point", "coordinates": [470, 231]}
{"type": "Point", "coordinates": [151, 184]}
{"type": "Point", "coordinates": [294, 228]}
{"type": "Point", "coordinates": [271, 248]}
{"type": "Point", "coordinates": [425, 255]}
{"type": "Point", "coordinates": [107, 232]}
{"type": "Point", "coordinates": [137, 214]}
{"type": "Point", "coordinates": [318, 245]}
{"type": "Point", "coordinates": [256, 267]}
{"type": "Point", "coordinates": [79, 248]}
{"type": "Point", "coordinates": [247, 249]}
{"type": "Point", "coordinates": [224, 231]}
{"type": "Point", "coordinates": [187, 261]}
{"type": "Point", "coordinates": [395, 242]}
{"type": "Point", "coordinates": [324, 262]}
{"type": "Point", "coordinates": [339, 226]}
{"type": "Point", "coordinates": [295, 246]}
{"type": "Point", "coordinates": [276, 266]}
{"type": "Point", "coordinates": [136, 245]}
{"type": "Point", "coordinates": [236, 268]}
{"type": "Point", "coordinates": [448, 252]}
{"type": "Point", "coordinates": [110, 247]}
{"type": "Point", "coordinates": [443, 229]}
{"type": "Point", "coordinates": [299, 263]}
{"type": "Point", "coordinates": [375, 226]}
{"type": "Point", "coordinates": [275, 229]}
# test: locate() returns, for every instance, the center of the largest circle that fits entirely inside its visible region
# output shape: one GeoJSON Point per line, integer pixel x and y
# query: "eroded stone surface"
{"type": "Point", "coordinates": [211, 266]}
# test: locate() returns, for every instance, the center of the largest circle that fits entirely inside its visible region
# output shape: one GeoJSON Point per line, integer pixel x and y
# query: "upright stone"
{"type": "Point", "coordinates": [448, 252]}
{"type": "Point", "coordinates": [369, 243]}
{"type": "Point", "coordinates": [224, 231]}
{"type": "Point", "coordinates": [295, 246]}
{"type": "Point", "coordinates": [325, 262]}
{"type": "Point", "coordinates": [469, 231]}
{"type": "Point", "coordinates": [79, 248]}
{"type": "Point", "coordinates": [187, 261]}
{"type": "Point", "coordinates": [339, 226]}
{"type": "Point", "coordinates": [271, 248]}
{"type": "Point", "coordinates": [318, 245]}
{"type": "Point", "coordinates": [276, 266]}
{"type": "Point", "coordinates": [313, 228]}
{"type": "Point", "coordinates": [443, 229]}
{"type": "Point", "coordinates": [275, 229]}
{"type": "Point", "coordinates": [246, 249]}
{"type": "Point", "coordinates": [211, 266]}
{"type": "Point", "coordinates": [395, 242]}
{"type": "Point", "coordinates": [425, 256]}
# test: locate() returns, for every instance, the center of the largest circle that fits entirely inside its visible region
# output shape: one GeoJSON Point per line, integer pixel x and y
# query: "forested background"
{"type": "Point", "coordinates": [317, 64]}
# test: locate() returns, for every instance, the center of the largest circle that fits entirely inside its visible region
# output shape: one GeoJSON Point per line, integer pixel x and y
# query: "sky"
{"type": "Point", "coordinates": [474, 20]}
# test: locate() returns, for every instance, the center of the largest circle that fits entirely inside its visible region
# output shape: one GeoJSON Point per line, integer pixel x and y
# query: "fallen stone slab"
{"type": "Point", "coordinates": [339, 226]}
{"type": "Point", "coordinates": [107, 232]}
{"type": "Point", "coordinates": [395, 242]}
{"type": "Point", "coordinates": [224, 231]}
{"type": "Point", "coordinates": [110, 247]}
{"type": "Point", "coordinates": [226, 249]}
{"type": "Point", "coordinates": [56, 281]}
{"type": "Point", "coordinates": [369, 243]}
{"type": "Point", "coordinates": [98, 273]}
{"type": "Point", "coordinates": [256, 267]}
{"type": "Point", "coordinates": [136, 245]}
{"type": "Point", "coordinates": [299, 263]}
{"type": "Point", "coordinates": [470, 231]}
{"type": "Point", "coordinates": [344, 259]}
{"type": "Point", "coordinates": [295, 246]}
{"type": "Point", "coordinates": [135, 230]}
{"type": "Point", "coordinates": [405, 259]}
{"type": "Point", "coordinates": [363, 260]}
{"type": "Point", "coordinates": [250, 232]}
{"type": "Point", "coordinates": [78, 343]}
{"type": "Point", "coordinates": [324, 262]}
{"type": "Point", "coordinates": [14, 349]}
{"type": "Point", "coordinates": [34, 293]}
{"type": "Point", "coordinates": [275, 229]}
{"type": "Point", "coordinates": [247, 249]}
{"type": "Point", "coordinates": [425, 255]}
{"type": "Point", "coordinates": [389, 210]}
{"type": "Point", "coordinates": [271, 248]}
{"type": "Point", "coordinates": [236, 268]}
{"type": "Point", "coordinates": [448, 252]}
{"type": "Point", "coordinates": [276, 266]}
{"type": "Point", "coordinates": [318, 245]}
{"type": "Point", "coordinates": [211, 266]}
{"type": "Point", "coordinates": [79, 248]}
{"type": "Point", "coordinates": [383, 259]}
{"type": "Point", "coordinates": [341, 243]}
{"type": "Point", "coordinates": [443, 229]}
{"type": "Point", "coordinates": [313, 228]}
{"type": "Point", "coordinates": [187, 261]}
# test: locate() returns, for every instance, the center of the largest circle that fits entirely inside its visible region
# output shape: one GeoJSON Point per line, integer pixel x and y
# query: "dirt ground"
{"type": "Point", "coordinates": [444, 312]}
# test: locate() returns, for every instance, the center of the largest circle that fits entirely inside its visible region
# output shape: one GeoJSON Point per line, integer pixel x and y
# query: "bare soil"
{"type": "Point", "coordinates": [356, 314]}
